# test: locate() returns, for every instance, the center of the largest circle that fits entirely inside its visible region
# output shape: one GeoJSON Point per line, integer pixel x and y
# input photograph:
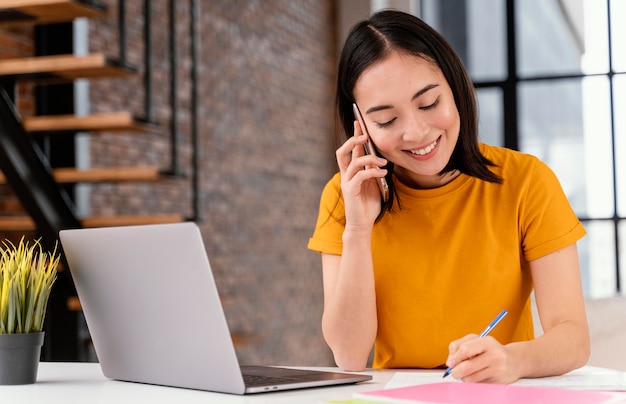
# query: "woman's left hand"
{"type": "Point", "coordinates": [478, 360]}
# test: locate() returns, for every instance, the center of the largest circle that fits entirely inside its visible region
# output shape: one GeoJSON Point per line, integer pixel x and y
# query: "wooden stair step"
{"type": "Point", "coordinates": [12, 205]}
{"type": "Point", "coordinates": [59, 68]}
{"type": "Point", "coordinates": [108, 121]}
{"type": "Point", "coordinates": [17, 12]}
{"type": "Point", "coordinates": [16, 223]}
{"type": "Point", "coordinates": [131, 220]}
{"type": "Point", "coordinates": [73, 304]}
{"type": "Point", "coordinates": [112, 174]}
{"type": "Point", "coordinates": [25, 223]}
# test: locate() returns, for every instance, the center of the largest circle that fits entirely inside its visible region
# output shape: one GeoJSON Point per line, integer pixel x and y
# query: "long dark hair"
{"type": "Point", "coordinates": [370, 41]}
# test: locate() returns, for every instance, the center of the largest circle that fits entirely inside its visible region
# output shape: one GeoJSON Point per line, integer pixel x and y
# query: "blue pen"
{"type": "Point", "coordinates": [484, 333]}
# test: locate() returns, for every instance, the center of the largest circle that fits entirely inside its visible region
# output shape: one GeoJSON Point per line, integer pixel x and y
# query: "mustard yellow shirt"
{"type": "Point", "coordinates": [451, 258]}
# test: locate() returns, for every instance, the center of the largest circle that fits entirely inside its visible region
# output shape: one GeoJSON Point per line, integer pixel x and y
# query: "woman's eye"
{"type": "Point", "coordinates": [431, 106]}
{"type": "Point", "coordinates": [385, 124]}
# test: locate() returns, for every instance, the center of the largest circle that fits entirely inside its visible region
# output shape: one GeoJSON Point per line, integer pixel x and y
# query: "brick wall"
{"type": "Point", "coordinates": [266, 123]}
{"type": "Point", "coordinates": [16, 42]}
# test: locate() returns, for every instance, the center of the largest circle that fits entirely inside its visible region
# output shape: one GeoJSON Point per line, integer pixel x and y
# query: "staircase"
{"type": "Point", "coordinates": [55, 69]}
{"type": "Point", "coordinates": [17, 12]}
{"type": "Point", "coordinates": [35, 199]}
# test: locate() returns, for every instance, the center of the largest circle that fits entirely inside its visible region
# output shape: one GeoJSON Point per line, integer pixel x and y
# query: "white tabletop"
{"type": "Point", "coordinates": [67, 383]}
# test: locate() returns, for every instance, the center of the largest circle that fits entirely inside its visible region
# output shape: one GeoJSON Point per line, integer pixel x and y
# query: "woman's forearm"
{"type": "Point", "coordinates": [563, 348]}
{"type": "Point", "coordinates": [349, 322]}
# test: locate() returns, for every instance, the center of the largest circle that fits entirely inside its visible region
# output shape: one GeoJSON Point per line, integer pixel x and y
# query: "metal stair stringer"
{"type": "Point", "coordinates": [27, 173]}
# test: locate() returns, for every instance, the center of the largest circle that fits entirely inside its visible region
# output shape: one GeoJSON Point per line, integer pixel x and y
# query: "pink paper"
{"type": "Point", "coordinates": [484, 393]}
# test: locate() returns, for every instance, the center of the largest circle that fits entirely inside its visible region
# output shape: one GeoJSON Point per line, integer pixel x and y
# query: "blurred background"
{"type": "Point", "coordinates": [221, 112]}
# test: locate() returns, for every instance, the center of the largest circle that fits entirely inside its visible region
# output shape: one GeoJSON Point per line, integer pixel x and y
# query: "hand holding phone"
{"type": "Point", "coordinates": [370, 149]}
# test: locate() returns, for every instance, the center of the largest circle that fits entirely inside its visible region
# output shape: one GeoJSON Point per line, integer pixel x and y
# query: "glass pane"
{"type": "Point", "coordinates": [490, 122]}
{"type": "Point", "coordinates": [596, 50]}
{"type": "Point", "coordinates": [597, 259]}
{"type": "Point", "coordinates": [622, 256]}
{"type": "Point", "coordinates": [566, 123]}
{"type": "Point", "coordinates": [486, 26]}
{"type": "Point", "coordinates": [556, 37]}
{"type": "Point", "coordinates": [618, 34]}
{"type": "Point", "coordinates": [619, 105]}
{"type": "Point", "coordinates": [598, 147]}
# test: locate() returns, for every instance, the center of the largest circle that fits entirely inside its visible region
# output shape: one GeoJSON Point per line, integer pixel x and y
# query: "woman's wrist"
{"type": "Point", "coordinates": [356, 234]}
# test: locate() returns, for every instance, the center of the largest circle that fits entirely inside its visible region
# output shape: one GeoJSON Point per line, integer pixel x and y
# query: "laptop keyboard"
{"type": "Point", "coordinates": [272, 376]}
{"type": "Point", "coordinates": [256, 380]}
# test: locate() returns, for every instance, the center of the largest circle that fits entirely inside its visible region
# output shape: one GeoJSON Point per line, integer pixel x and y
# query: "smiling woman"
{"type": "Point", "coordinates": [412, 117]}
{"type": "Point", "coordinates": [367, 48]}
{"type": "Point", "coordinates": [469, 229]}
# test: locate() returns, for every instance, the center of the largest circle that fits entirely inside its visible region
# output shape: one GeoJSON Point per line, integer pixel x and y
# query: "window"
{"type": "Point", "coordinates": [551, 81]}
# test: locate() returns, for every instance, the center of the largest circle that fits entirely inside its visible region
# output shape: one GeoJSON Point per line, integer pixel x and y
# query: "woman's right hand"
{"type": "Point", "coordinates": [358, 180]}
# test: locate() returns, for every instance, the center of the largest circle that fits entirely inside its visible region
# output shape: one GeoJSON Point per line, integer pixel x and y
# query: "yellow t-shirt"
{"type": "Point", "coordinates": [451, 258]}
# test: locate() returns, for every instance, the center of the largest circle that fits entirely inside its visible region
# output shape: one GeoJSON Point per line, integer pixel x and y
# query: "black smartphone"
{"type": "Point", "coordinates": [370, 149]}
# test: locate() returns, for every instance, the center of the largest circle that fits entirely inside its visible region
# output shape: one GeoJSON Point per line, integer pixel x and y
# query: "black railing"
{"type": "Point", "coordinates": [174, 135]}
{"type": "Point", "coordinates": [175, 169]}
{"type": "Point", "coordinates": [195, 103]}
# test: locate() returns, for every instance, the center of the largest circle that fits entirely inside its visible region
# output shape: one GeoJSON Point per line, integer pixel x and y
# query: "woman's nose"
{"type": "Point", "coordinates": [416, 129]}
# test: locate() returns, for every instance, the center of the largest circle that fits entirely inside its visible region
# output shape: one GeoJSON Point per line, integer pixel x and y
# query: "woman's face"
{"type": "Point", "coordinates": [409, 111]}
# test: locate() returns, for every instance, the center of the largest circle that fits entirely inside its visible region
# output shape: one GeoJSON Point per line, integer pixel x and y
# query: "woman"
{"type": "Point", "coordinates": [469, 229]}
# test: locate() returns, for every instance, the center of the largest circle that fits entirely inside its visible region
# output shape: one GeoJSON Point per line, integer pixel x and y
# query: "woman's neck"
{"type": "Point", "coordinates": [416, 181]}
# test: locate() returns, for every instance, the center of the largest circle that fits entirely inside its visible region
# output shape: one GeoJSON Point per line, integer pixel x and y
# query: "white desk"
{"type": "Point", "coordinates": [67, 383]}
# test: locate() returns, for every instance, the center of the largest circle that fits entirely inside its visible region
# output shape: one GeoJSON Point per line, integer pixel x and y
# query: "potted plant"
{"type": "Point", "coordinates": [27, 274]}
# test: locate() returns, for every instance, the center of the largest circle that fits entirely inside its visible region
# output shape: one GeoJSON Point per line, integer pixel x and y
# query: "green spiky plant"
{"type": "Point", "coordinates": [27, 274]}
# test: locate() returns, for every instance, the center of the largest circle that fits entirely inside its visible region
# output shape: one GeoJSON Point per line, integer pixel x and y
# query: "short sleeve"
{"type": "Point", "coordinates": [548, 222]}
{"type": "Point", "coordinates": [327, 237]}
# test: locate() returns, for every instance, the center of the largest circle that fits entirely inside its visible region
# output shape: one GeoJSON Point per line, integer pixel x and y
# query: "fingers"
{"type": "Point", "coordinates": [358, 179]}
{"type": "Point", "coordinates": [352, 151]}
{"type": "Point", "coordinates": [477, 360]}
{"type": "Point", "coordinates": [352, 148]}
{"type": "Point", "coordinates": [456, 345]}
{"type": "Point", "coordinates": [349, 151]}
{"type": "Point", "coordinates": [351, 157]}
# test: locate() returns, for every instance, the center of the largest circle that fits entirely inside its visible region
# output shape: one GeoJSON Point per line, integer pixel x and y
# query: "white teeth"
{"type": "Point", "coordinates": [425, 150]}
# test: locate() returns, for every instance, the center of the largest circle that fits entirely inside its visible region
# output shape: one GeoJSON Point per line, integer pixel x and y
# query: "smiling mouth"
{"type": "Point", "coordinates": [425, 150]}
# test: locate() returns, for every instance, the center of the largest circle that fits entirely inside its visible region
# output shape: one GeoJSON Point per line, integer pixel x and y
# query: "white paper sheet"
{"type": "Point", "coordinates": [586, 378]}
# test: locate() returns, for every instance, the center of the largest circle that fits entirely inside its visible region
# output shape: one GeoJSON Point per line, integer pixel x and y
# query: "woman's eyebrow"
{"type": "Point", "coordinates": [423, 90]}
{"type": "Point", "coordinates": [416, 95]}
{"type": "Point", "coordinates": [377, 108]}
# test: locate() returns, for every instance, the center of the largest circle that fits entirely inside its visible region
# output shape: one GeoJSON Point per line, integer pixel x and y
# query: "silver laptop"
{"type": "Point", "coordinates": [155, 316]}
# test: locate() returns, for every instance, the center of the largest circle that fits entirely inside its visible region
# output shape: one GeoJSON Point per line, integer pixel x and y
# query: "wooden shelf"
{"type": "Point", "coordinates": [114, 174]}
{"type": "Point", "coordinates": [20, 12]}
{"type": "Point", "coordinates": [62, 68]}
{"type": "Point", "coordinates": [25, 223]}
{"type": "Point", "coordinates": [111, 121]}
